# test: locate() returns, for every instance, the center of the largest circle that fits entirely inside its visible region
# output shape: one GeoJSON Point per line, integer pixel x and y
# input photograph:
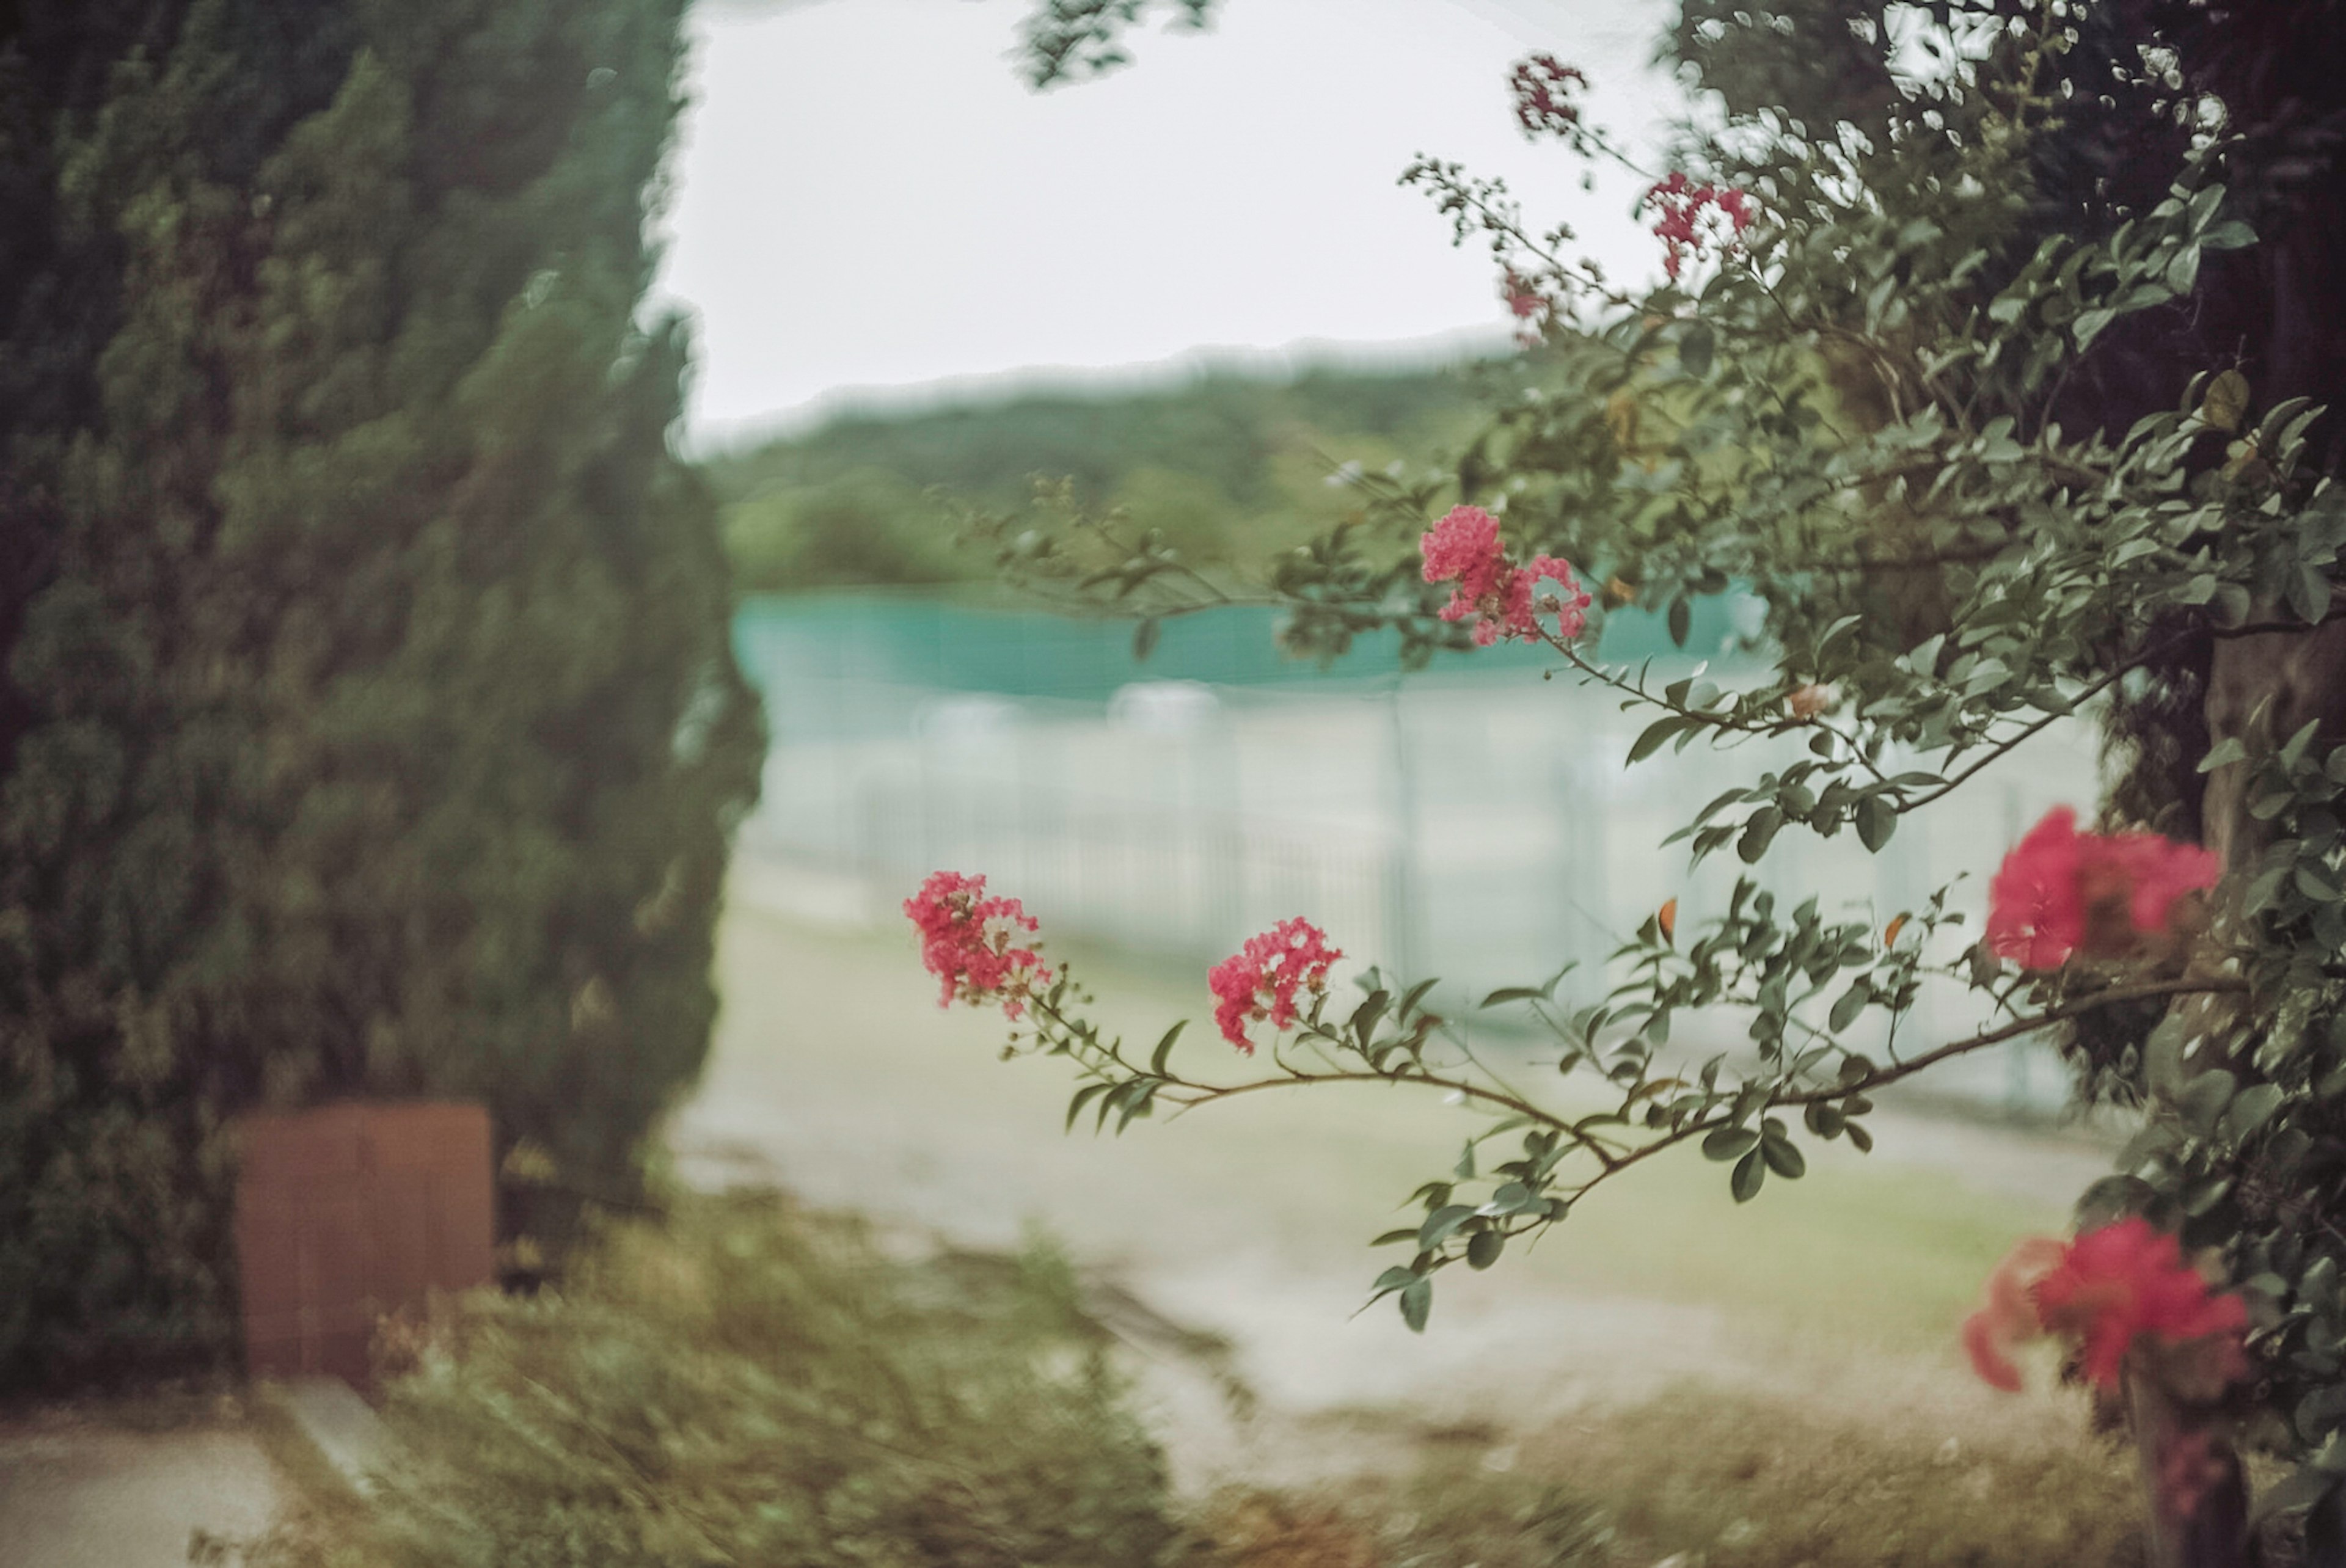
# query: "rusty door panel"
{"type": "Point", "coordinates": [348, 1213]}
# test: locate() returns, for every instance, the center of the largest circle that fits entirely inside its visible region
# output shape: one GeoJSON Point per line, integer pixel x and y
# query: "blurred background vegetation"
{"type": "Point", "coordinates": [1229, 468]}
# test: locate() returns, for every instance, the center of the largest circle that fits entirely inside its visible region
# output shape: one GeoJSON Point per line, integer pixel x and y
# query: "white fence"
{"type": "Point", "coordinates": [1486, 831]}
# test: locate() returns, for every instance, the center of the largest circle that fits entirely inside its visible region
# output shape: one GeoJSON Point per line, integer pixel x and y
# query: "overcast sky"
{"type": "Point", "coordinates": [868, 197]}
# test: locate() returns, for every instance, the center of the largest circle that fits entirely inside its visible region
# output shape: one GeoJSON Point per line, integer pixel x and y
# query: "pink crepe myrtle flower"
{"type": "Point", "coordinates": [971, 942]}
{"type": "Point", "coordinates": [2061, 893]}
{"type": "Point", "coordinates": [1259, 980]}
{"type": "Point", "coordinates": [1524, 297]}
{"type": "Point", "coordinates": [2103, 1293]}
{"type": "Point", "coordinates": [1543, 87]}
{"type": "Point", "coordinates": [1501, 597]}
{"type": "Point", "coordinates": [1683, 231]}
{"type": "Point", "coordinates": [1529, 304]}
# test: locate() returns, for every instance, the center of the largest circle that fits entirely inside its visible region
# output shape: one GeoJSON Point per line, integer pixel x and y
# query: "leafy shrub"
{"type": "Point", "coordinates": [367, 719]}
{"type": "Point", "coordinates": [865, 526]}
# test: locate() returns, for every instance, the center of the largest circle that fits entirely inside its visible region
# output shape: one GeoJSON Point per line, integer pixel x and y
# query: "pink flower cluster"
{"type": "Point", "coordinates": [971, 942]}
{"type": "Point", "coordinates": [2102, 1292]}
{"type": "Point", "coordinates": [1259, 980]}
{"type": "Point", "coordinates": [1500, 596]}
{"type": "Point", "coordinates": [1524, 296]}
{"type": "Point", "coordinates": [2061, 893]}
{"type": "Point", "coordinates": [1531, 305]}
{"type": "Point", "coordinates": [1541, 85]}
{"type": "Point", "coordinates": [1682, 231]}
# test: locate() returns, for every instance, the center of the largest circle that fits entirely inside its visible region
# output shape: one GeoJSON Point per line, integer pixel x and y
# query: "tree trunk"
{"type": "Point", "coordinates": [2191, 1480]}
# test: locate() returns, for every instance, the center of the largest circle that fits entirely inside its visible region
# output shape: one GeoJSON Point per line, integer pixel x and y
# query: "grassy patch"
{"type": "Point", "coordinates": [1705, 1480]}
{"type": "Point", "coordinates": [1754, 1483]}
{"type": "Point", "coordinates": [748, 1384]}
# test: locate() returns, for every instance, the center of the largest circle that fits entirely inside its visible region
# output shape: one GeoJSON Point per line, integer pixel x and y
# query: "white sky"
{"type": "Point", "coordinates": [868, 197]}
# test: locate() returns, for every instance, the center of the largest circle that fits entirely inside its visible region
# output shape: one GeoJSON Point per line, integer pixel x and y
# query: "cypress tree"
{"type": "Point", "coordinates": [368, 722]}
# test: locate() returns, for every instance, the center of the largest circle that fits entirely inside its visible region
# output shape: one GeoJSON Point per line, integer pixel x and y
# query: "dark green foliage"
{"type": "Point", "coordinates": [1229, 468]}
{"type": "Point", "coordinates": [1066, 38]}
{"type": "Point", "coordinates": [749, 1385]}
{"type": "Point", "coordinates": [369, 724]}
{"type": "Point", "coordinates": [868, 526]}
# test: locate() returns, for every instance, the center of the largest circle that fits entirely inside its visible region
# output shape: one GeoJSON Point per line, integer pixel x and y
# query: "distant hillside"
{"type": "Point", "coordinates": [1230, 468]}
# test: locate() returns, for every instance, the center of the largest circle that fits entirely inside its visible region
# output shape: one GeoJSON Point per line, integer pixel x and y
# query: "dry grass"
{"type": "Point", "coordinates": [1700, 1477]}
{"type": "Point", "coordinates": [1701, 1480]}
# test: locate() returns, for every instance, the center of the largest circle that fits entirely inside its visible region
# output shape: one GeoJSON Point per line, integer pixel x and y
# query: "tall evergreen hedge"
{"type": "Point", "coordinates": [367, 718]}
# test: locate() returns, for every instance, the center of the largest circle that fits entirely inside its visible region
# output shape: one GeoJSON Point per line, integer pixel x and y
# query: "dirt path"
{"type": "Point", "coordinates": [835, 1074]}
{"type": "Point", "coordinates": [80, 1491]}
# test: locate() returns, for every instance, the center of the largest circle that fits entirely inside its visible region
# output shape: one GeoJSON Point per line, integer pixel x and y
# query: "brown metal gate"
{"type": "Point", "coordinates": [348, 1213]}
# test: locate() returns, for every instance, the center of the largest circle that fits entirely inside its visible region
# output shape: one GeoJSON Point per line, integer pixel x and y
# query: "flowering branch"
{"type": "Point", "coordinates": [1279, 981]}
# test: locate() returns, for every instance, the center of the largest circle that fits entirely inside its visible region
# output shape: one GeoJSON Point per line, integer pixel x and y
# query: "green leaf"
{"type": "Point", "coordinates": [2162, 1054]}
{"type": "Point", "coordinates": [1759, 831]}
{"type": "Point", "coordinates": [1655, 735]}
{"type": "Point", "coordinates": [1442, 1224]}
{"type": "Point", "coordinates": [1853, 1002]}
{"type": "Point", "coordinates": [2226, 402]}
{"type": "Point", "coordinates": [1083, 1096]}
{"type": "Point", "coordinates": [2309, 593]}
{"type": "Point", "coordinates": [1483, 1248]}
{"type": "Point", "coordinates": [2230, 235]}
{"type": "Point", "coordinates": [1681, 619]}
{"type": "Point", "coordinates": [2184, 270]}
{"type": "Point", "coordinates": [2277, 418]}
{"type": "Point", "coordinates": [1696, 347]}
{"type": "Point", "coordinates": [2262, 891]}
{"type": "Point", "coordinates": [2250, 1110]}
{"type": "Point", "coordinates": [1513, 1197]}
{"type": "Point", "coordinates": [1861, 1138]}
{"type": "Point", "coordinates": [2203, 1100]}
{"type": "Point", "coordinates": [1367, 1015]}
{"type": "Point", "coordinates": [1783, 1157]}
{"type": "Point", "coordinates": [1750, 1171]}
{"type": "Point", "coordinates": [1139, 1099]}
{"type": "Point", "coordinates": [2225, 752]}
{"type": "Point", "coordinates": [2292, 750]}
{"type": "Point", "coordinates": [1877, 820]}
{"type": "Point", "coordinates": [1416, 1302]}
{"type": "Point", "coordinates": [1165, 1048]}
{"type": "Point", "coordinates": [1725, 1144]}
{"type": "Point", "coordinates": [1835, 630]}
{"type": "Point", "coordinates": [1144, 639]}
{"type": "Point", "coordinates": [1986, 676]}
{"type": "Point", "coordinates": [1415, 994]}
{"type": "Point", "coordinates": [1508, 993]}
{"type": "Point", "coordinates": [2202, 1195]}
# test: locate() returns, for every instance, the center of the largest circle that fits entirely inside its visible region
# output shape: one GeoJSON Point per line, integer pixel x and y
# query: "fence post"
{"type": "Point", "coordinates": [1400, 896]}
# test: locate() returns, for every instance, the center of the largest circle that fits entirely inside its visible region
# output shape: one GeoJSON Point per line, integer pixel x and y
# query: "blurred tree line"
{"type": "Point", "coordinates": [367, 719]}
{"type": "Point", "coordinates": [1229, 469]}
